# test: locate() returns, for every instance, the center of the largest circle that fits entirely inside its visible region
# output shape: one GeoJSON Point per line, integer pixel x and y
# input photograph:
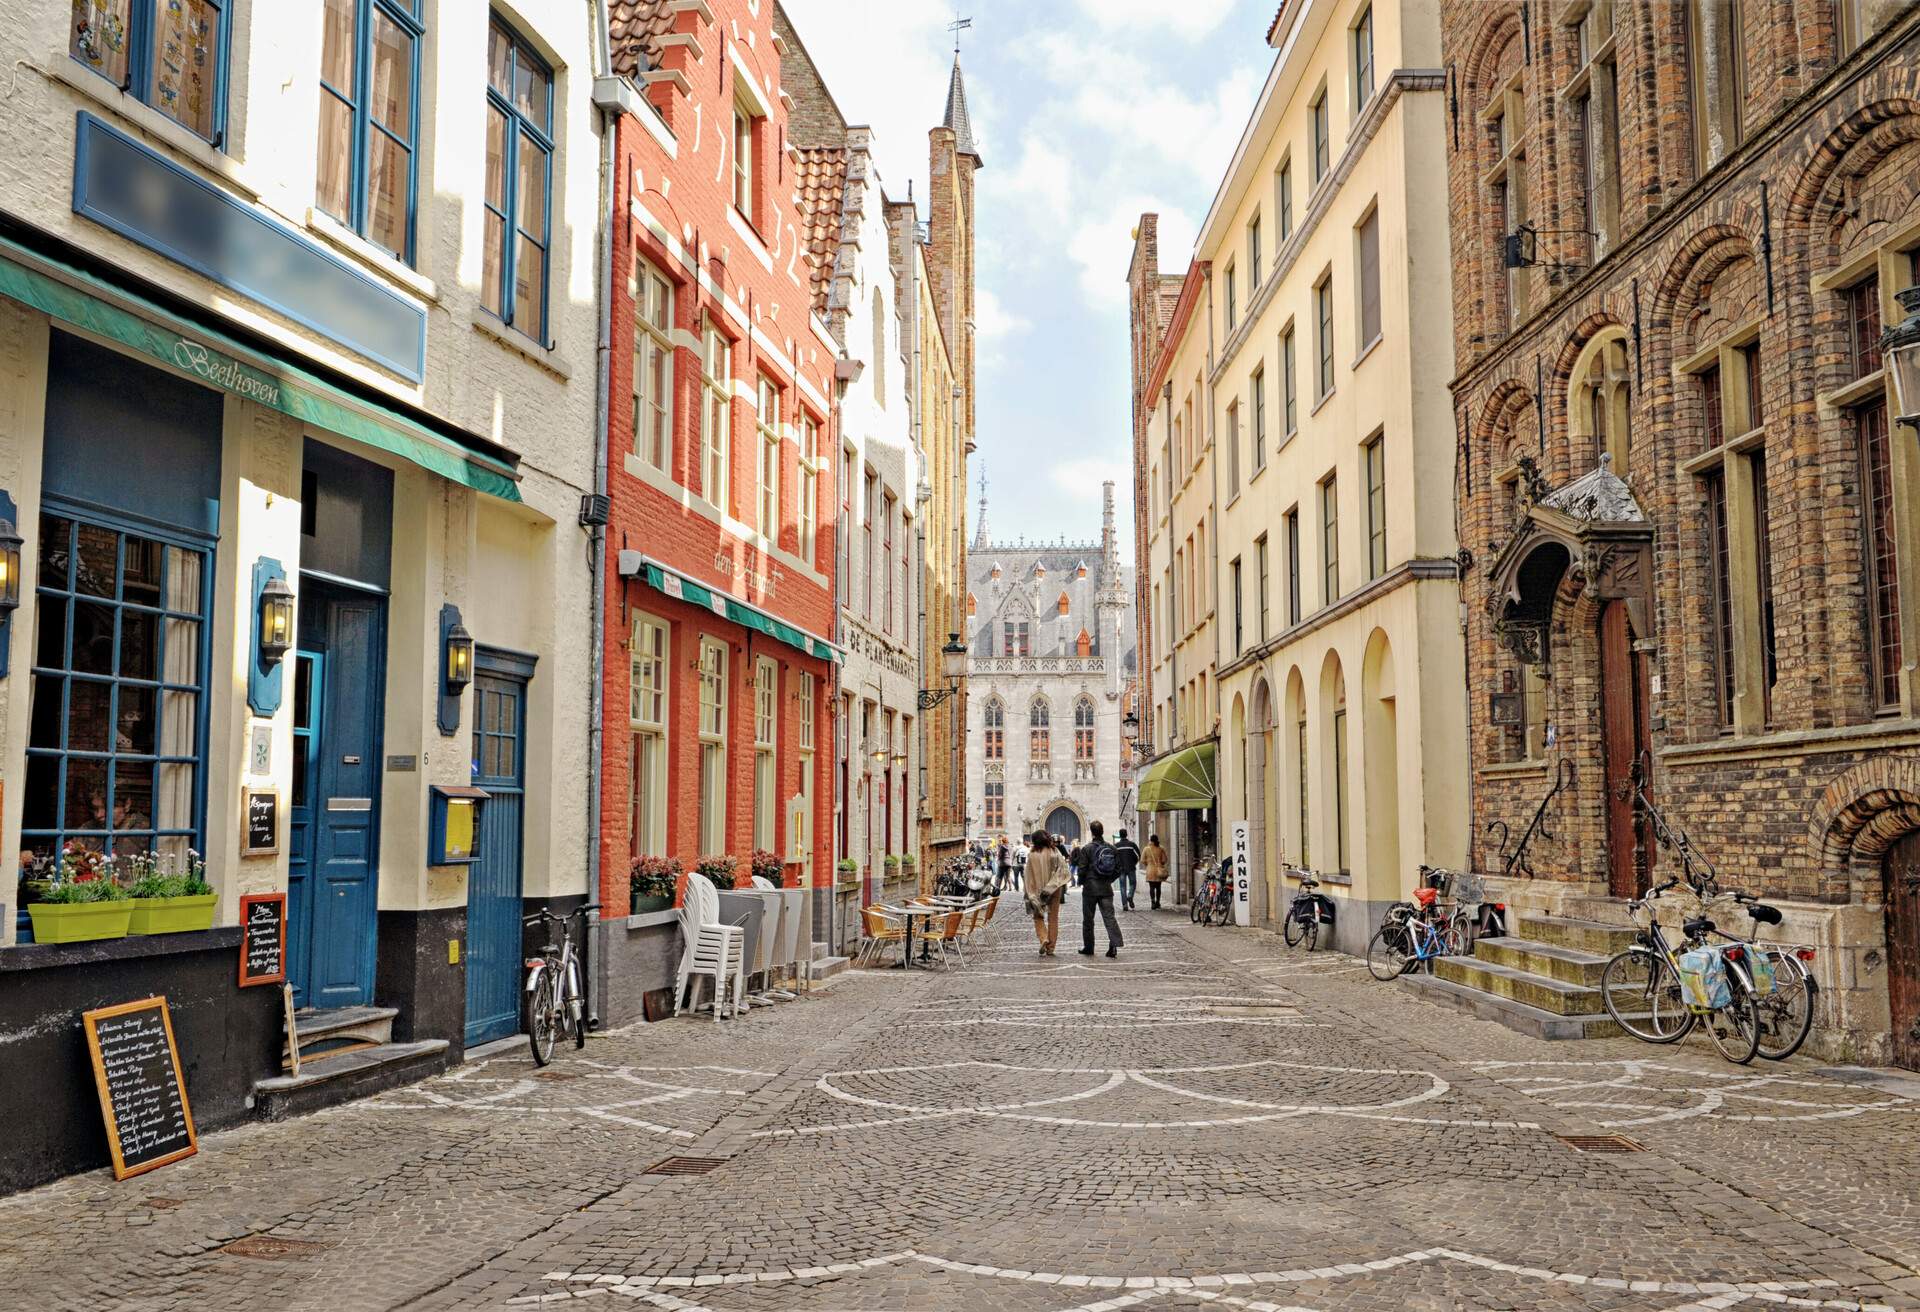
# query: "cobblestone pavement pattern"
{"type": "Point", "coordinates": [1208, 1121]}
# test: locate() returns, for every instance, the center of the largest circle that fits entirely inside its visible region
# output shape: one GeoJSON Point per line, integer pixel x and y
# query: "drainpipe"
{"type": "Point", "coordinates": [597, 550]}
{"type": "Point", "coordinates": [1213, 563]}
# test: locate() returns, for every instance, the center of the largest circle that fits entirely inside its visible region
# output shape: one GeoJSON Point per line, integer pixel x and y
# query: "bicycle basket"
{"type": "Point", "coordinates": [1468, 890]}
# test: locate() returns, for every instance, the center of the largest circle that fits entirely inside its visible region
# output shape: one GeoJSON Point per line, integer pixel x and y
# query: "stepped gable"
{"type": "Point", "coordinates": [635, 28]}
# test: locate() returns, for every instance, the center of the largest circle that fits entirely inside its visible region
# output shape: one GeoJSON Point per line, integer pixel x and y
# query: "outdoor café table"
{"type": "Point", "coordinates": [908, 913]}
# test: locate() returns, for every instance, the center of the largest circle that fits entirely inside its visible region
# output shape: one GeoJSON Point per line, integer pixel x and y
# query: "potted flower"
{"type": "Point", "coordinates": [849, 871]}
{"type": "Point", "coordinates": [766, 865]}
{"type": "Point", "coordinates": [653, 883]}
{"type": "Point", "coordinates": [84, 903]}
{"type": "Point", "coordinates": [892, 864]}
{"type": "Point", "coordinates": [720, 871]}
{"type": "Point", "coordinates": [169, 901]}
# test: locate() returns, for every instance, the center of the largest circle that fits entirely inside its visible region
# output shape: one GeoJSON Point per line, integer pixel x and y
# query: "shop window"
{"type": "Point", "coordinates": [519, 127]}
{"type": "Point", "coordinates": [1301, 775]}
{"type": "Point", "coordinates": [116, 742]}
{"type": "Point", "coordinates": [170, 54]}
{"type": "Point", "coordinates": [369, 115]}
{"type": "Point", "coordinates": [650, 659]}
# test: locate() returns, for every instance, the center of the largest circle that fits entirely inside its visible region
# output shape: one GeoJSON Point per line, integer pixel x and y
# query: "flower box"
{"type": "Point", "coordinates": [643, 905]}
{"type": "Point", "coordinates": [79, 922]}
{"type": "Point", "coordinates": [172, 915]}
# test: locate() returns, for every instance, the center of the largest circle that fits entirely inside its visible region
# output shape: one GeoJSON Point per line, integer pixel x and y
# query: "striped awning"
{"type": "Point", "coordinates": [1183, 781]}
{"type": "Point", "coordinates": [681, 588]}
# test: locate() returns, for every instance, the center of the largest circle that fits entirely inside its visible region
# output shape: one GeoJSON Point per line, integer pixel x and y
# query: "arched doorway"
{"type": "Point", "coordinates": [1903, 948]}
{"type": "Point", "coordinates": [1263, 852]}
{"type": "Point", "coordinates": [1064, 822]}
{"type": "Point", "coordinates": [1380, 729]}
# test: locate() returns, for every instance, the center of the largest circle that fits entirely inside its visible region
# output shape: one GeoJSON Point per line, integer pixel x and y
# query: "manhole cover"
{"type": "Point", "coordinates": [557, 1075]}
{"type": "Point", "coordinates": [272, 1246]}
{"type": "Point", "coordinates": [685, 1166]}
{"type": "Point", "coordinates": [1253, 1010]}
{"type": "Point", "coordinates": [1600, 1143]}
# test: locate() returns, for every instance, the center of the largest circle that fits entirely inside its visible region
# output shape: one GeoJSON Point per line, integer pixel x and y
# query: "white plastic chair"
{"type": "Point", "coordinates": [712, 949]}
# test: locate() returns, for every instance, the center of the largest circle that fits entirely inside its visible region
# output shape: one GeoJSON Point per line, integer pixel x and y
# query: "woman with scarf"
{"type": "Point", "coordinates": [1045, 884]}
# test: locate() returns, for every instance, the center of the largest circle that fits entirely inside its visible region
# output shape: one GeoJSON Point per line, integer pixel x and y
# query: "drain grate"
{"type": "Point", "coordinates": [557, 1075]}
{"type": "Point", "coordinates": [1600, 1143]}
{"type": "Point", "coordinates": [685, 1166]}
{"type": "Point", "coordinates": [271, 1246]}
{"type": "Point", "coordinates": [162, 1204]}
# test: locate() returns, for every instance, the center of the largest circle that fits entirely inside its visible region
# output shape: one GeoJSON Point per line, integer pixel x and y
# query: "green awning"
{"type": "Point", "coordinates": [1183, 781]}
{"type": "Point", "coordinates": [681, 588]}
{"type": "Point", "coordinates": [80, 299]}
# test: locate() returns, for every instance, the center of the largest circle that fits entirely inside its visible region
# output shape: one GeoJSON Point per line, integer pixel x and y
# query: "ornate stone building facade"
{"type": "Point", "coordinates": [1694, 557]}
{"type": "Point", "coordinates": [1051, 651]}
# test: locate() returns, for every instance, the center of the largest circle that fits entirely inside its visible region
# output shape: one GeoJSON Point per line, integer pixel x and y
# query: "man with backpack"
{"type": "Point", "coordinates": [1129, 853]}
{"type": "Point", "coordinates": [1098, 864]}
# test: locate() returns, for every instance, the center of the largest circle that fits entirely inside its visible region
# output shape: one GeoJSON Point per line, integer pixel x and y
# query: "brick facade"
{"type": "Point", "coordinates": [1737, 234]}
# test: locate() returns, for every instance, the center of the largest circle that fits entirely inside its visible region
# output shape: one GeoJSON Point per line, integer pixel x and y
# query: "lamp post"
{"type": "Point", "coordinates": [1900, 349]}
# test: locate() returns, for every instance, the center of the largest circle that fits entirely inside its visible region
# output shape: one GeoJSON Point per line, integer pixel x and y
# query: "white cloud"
{"type": "Point", "coordinates": [993, 321]}
{"type": "Point", "coordinates": [1185, 18]}
{"type": "Point", "coordinates": [1081, 479]}
{"type": "Point", "coordinates": [1103, 246]}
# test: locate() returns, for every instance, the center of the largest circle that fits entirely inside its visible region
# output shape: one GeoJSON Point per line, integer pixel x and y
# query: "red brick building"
{"type": "Point", "coordinates": [1691, 523]}
{"type": "Point", "coordinates": [719, 605]}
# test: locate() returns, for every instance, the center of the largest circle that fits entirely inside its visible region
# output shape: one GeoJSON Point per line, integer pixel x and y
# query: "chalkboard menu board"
{"type": "Point", "coordinates": [143, 1097]}
{"type": "Point", "coordinates": [261, 815]}
{"type": "Point", "coordinates": [263, 938]}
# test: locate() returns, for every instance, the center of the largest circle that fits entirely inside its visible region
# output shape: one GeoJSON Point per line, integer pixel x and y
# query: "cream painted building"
{"type": "Point", "coordinates": [1324, 383]}
{"type": "Point", "coordinates": [261, 329]}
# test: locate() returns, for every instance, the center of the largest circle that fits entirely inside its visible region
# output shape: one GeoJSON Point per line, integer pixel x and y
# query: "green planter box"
{"type": "Point", "coordinates": [170, 915]}
{"type": "Point", "coordinates": [642, 905]}
{"type": "Point", "coordinates": [79, 922]}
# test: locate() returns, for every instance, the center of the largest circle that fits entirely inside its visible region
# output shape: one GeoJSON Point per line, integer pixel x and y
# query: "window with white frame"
{"type": "Point", "coordinates": [652, 366]}
{"type": "Point", "coordinates": [650, 658]}
{"type": "Point", "coordinates": [767, 422]}
{"type": "Point", "coordinates": [744, 122]}
{"type": "Point", "coordinates": [766, 731]}
{"type": "Point", "coordinates": [716, 413]}
{"type": "Point", "coordinates": [809, 485]}
{"type": "Point", "coordinates": [713, 747]}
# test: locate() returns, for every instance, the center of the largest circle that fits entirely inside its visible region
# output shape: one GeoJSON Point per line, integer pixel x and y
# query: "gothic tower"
{"type": "Point", "coordinates": [953, 160]}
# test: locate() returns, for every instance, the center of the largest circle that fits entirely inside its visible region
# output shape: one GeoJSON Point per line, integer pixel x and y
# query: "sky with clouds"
{"type": "Point", "coordinates": [1087, 113]}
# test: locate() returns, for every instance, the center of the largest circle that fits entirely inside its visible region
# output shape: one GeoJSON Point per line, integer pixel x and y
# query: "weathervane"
{"type": "Point", "coordinates": [957, 26]}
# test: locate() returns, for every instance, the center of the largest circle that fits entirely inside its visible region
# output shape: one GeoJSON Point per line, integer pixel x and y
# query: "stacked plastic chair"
{"type": "Point", "coordinates": [713, 949]}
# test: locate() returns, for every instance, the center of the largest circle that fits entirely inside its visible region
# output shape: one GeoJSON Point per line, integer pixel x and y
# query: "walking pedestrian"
{"type": "Point", "coordinates": [1129, 853]}
{"type": "Point", "coordinates": [1002, 860]}
{"type": "Point", "coordinates": [1045, 884]}
{"type": "Point", "coordinates": [1153, 864]}
{"type": "Point", "coordinates": [1098, 866]}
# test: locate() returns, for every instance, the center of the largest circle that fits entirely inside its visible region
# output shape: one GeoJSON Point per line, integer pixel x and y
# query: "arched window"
{"type": "Point", "coordinates": [995, 717]}
{"type": "Point", "coordinates": [973, 604]}
{"type": "Point", "coordinates": [1040, 739]}
{"type": "Point", "coordinates": [1083, 739]}
{"type": "Point", "coordinates": [879, 347]}
{"type": "Point", "coordinates": [1065, 603]}
{"type": "Point", "coordinates": [1599, 404]}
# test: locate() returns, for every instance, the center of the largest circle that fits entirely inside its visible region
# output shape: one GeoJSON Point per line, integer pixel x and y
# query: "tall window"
{"type": "Point", "coordinates": [716, 414]}
{"type": "Point", "coordinates": [513, 272]}
{"type": "Point", "coordinates": [1329, 542]}
{"type": "Point", "coordinates": [1231, 297]}
{"type": "Point", "coordinates": [1283, 197]}
{"type": "Point", "coordinates": [170, 54]}
{"type": "Point", "coordinates": [1083, 759]}
{"type": "Point", "coordinates": [1257, 396]}
{"type": "Point", "coordinates": [1040, 739]}
{"type": "Point", "coordinates": [1594, 96]}
{"type": "Point", "coordinates": [1601, 403]}
{"type": "Point", "coordinates": [1260, 584]}
{"type": "Point", "coordinates": [713, 747]}
{"type": "Point", "coordinates": [1863, 324]}
{"type": "Point", "coordinates": [1883, 580]}
{"type": "Point", "coordinates": [1506, 126]}
{"type": "Point", "coordinates": [1323, 336]}
{"type": "Point", "coordinates": [767, 422]}
{"type": "Point", "coordinates": [1239, 637]}
{"type": "Point", "coordinates": [995, 797]}
{"type": "Point", "coordinates": [888, 514]}
{"type": "Point", "coordinates": [845, 535]}
{"type": "Point", "coordinates": [369, 67]}
{"type": "Point", "coordinates": [650, 658]}
{"type": "Point", "coordinates": [1289, 387]}
{"type": "Point", "coordinates": [1721, 596]}
{"type": "Point", "coordinates": [1374, 459]}
{"type": "Point", "coordinates": [1293, 566]}
{"type": "Point", "coordinates": [994, 719]}
{"type": "Point", "coordinates": [1233, 449]}
{"type": "Point", "coordinates": [1253, 253]}
{"type": "Point", "coordinates": [1732, 468]}
{"type": "Point", "coordinates": [1717, 78]}
{"type": "Point", "coordinates": [1341, 852]}
{"type": "Point", "coordinates": [801, 840]}
{"type": "Point", "coordinates": [119, 679]}
{"type": "Point", "coordinates": [1763, 562]}
{"type": "Point", "coordinates": [744, 122]}
{"type": "Point", "coordinates": [809, 485]}
{"type": "Point", "coordinates": [1363, 58]}
{"type": "Point", "coordinates": [1015, 638]}
{"type": "Point", "coordinates": [652, 366]}
{"type": "Point", "coordinates": [766, 729]}
{"type": "Point", "coordinates": [1303, 773]}
{"type": "Point", "coordinates": [1322, 137]}
{"type": "Point", "coordinates": [1367, 248]}
{"type": "Point", "coordinates": [879, 347]}
{"type": "Point", "coordinates": [871, 504]}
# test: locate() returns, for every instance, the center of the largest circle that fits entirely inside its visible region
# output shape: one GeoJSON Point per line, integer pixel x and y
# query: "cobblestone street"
{"type": "Point", "coordinates": [1208, 1121]}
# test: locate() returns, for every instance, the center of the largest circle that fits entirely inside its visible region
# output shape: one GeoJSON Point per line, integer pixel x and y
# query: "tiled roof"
{"type": "Point", "coordinates": [957, 117]}
{"type": "Point", "coordinates": [822, 178]}
{"type": "Point", "coordinates": [636, 27]}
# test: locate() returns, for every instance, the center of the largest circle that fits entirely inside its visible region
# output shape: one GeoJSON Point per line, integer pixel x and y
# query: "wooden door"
{"type": "Point", "coordinates": [1903, 949]}
{"type": "Point", "coordinates": [1625, 736]}
{"type": "Point", "coordinates": [494, 906]}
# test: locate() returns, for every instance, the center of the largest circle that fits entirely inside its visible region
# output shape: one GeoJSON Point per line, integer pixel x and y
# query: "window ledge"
{"type": "Point", "coordinates": [751, 235]}
{"type": "Point", "coordinates": [1233, 500]}
{"type": "Point", "coordinates": [42, 956]}
{"type": "Point", "coordinates": [1322, 401]}
{"type": "Point", "coordinates": [1867, 387]}
{"type": "Point", "coordinates": [348, 242]}
{"type": "Point", "coordinates": [1366, 351]}
{"type": "Point", "coordinates": [138, 114]}
{"type": "Point", "coordinates": [485, 322]}
{"type": "Point", "coordinates": [1255, 476]}
{"type": "Point", "coordinates": [1514, 769]}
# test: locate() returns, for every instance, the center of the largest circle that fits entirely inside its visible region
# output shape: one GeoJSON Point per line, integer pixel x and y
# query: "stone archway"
{"type": "Point", "coordinates": [1063, 820]}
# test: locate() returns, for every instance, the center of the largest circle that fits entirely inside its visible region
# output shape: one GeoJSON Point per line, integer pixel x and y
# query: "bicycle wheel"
{"type": "Point", "coordinates": [1197, 908]}
{"type": "Point", "coordinates": [542, 1019]}
{"type": "Point", "coordinates": [1641, 991]}
{"type": "Point", "coordinates": [576, 1010]}
{"type": "Point", "coordinates": [1735, 1028]}
{"type": "Point", "coordinates": [1786, 1014]}
{"type": "Point", "coordinates": [1388, 952]}
{"type": "Point", "coordinates": [1293, 928]}
{"type": "Point", "coordinates": [1310, 932]}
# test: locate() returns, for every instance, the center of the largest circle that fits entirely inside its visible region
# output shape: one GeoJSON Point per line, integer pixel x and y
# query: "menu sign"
{"type": "Point", "coordinates": [261, 815]}
{"type": "Point", "coordinates": [143, 1097]}
{"type": "Point", "coordinates": [263, 938]}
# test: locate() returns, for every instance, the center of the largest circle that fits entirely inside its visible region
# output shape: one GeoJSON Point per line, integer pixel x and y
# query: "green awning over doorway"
{"type": "Point", "coordinates": [79, 299]}
{"type": "Point", "coordinates": [682, 588]}
{"type": "Point", "coordinates": [1183, 781]}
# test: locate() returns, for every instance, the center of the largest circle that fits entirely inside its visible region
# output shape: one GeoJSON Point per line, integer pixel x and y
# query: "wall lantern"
{"type": "Point", "coordinates": [456, 667]}
{"type": "Point", "coordinates": [10, 544]}
{"type": "Point", "coordinates": [953, 667]}
{"type": "Point", "coordinates": [273, 635]}
{"type": "Point", "coordinates": [1900, 347]}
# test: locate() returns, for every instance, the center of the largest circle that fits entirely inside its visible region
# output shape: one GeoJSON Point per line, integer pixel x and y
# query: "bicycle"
{"type": "Point", "coordinates": [1213, 901]}
{"type": "Point", "coordinates": [1413, 936]}
{"type": "Point", "coordinates": [1306, 913]}
{"type": "Point", "coordinates": [554, 1003]}
{"type": "Point", "coordinates": [1641, 987]}
{"type": "Point", "coordinates": [1787, 1010]}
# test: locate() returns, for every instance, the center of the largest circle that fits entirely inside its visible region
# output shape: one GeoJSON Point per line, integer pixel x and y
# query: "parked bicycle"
{"type": "Point", "coordinates": [1213, 901]}
{"type": "Point", "coordinates": [555, 1003]}
{"type": "Point", "coordinates": [1307, 912]}
{"type": "Point", "coordinates": [1658, 992]}
{"type": "Point", "coordinates": [1415, 934]}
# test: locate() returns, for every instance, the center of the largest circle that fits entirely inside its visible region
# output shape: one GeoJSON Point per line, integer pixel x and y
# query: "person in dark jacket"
{"type": "Point", "coordinates": [1098, 866]}
{"type": "Point", "coordinates": [1129, 853]}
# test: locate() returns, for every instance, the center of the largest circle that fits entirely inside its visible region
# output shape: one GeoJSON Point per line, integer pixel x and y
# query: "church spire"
{"type": "Point", "coordinates": [1109, 540]}
{"type": "Point", "coordinates": [980, 533]}
{"type": "Point", "coordinates": [957, 118]}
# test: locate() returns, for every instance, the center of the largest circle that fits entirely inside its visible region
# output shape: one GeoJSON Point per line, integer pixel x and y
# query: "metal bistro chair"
{"type": "Point", "coordinates": [712, 948]}
{"type": "Point", "coordinates": [880, 927]}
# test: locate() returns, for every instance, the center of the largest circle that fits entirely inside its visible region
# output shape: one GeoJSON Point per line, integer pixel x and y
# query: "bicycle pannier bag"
{"type": "Point", "coordinates": [1760, 967]}
{"type": "Point", "coordinates": [1703, 979]}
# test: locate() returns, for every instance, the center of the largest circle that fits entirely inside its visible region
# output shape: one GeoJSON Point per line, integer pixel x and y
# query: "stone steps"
{"type": "Point", "coordinates": [1516, 1016]}
{"type": "Point", "coordinates": [1595, 936]}
{"type": "Point", "coordinates": [1568, 965]}
{"type": "Point", "coordinates": [1543, 980]}
{"type": "Point", "coordinates": [329, 1033]}
{"type": "Point", "coordinates": [1541, 991]}
{"type": "Point", "coordinates": [358, 1073]}
{"type": "Point", "coordinates": [824, 968]}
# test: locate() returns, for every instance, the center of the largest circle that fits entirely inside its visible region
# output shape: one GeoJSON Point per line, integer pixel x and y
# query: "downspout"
{"type": "Point", "coordinates": [597, 547]}
{"type": "Point", "coordinates": [1213, 588]}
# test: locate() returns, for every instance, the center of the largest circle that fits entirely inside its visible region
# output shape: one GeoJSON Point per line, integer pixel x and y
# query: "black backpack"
{"type": "Point", "coordinates": [1105, 862]}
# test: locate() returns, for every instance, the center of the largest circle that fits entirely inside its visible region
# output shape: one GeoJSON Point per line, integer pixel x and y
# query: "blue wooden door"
{"type": "Point", "coordinates": [493, 882]}
{"type": "Point", "coordinates": [309, 675]}
{"type": "Point", "coordinates": [346, 630]}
